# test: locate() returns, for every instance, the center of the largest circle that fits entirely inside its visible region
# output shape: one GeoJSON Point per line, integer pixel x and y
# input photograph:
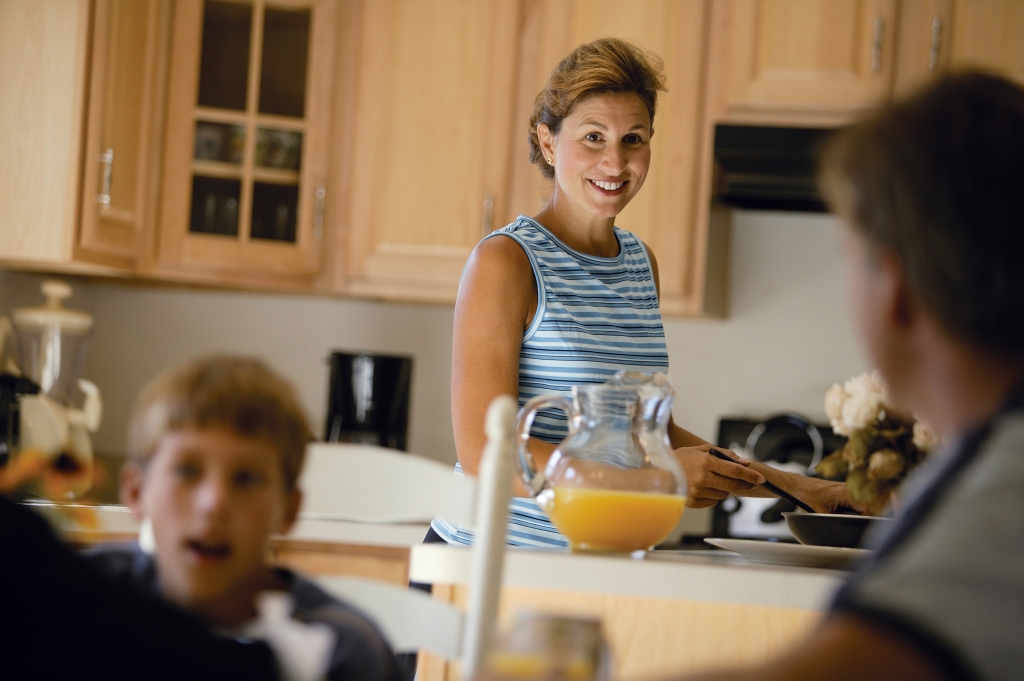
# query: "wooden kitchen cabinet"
{"type": "Point", "coordinates": [936, 35]}
{"type": "Point", "coordinates": [427, 152]}
{"type": "Point", "coordinates": [81, 82]}
{"type": "Point", "coordinates": [79, 133]}
{"type": "Point", "coordinates": [245, 142]}
{"type": "Point", "coordinates": [121, 140]}
{"type": "Point", "coordinates": [666, 214]}
{"type": "Point", "coordinates": [988, 34]}
{"type": "Point", "coordinates": [802, 61]}
{"type": "Point", "coordinates": [43, 69]}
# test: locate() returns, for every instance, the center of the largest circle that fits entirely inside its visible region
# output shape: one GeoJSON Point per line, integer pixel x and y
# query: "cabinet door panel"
{"type": "Point", "coordinates": [244, 175]}
{"type": "Point", "coordinates": [43, 57]}
{"type": "Point", "coordinates": [809, 54]}
{"type": "Point", "coordinates": [429, 143]}
{"type": "Point", "coordinates": [989, 34]}
{"type": "Point", "coordinates": [120, 127]}
{"type": "Point", "coordinates": [663, 214]}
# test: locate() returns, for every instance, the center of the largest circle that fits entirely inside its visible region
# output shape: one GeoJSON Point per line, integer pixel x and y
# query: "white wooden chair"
{"type": "Point", "coordinates": [375, 485]}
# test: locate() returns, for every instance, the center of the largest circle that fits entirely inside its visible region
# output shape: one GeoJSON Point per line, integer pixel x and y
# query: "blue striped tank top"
{"type": "Point", "coordinates": [595, 316]}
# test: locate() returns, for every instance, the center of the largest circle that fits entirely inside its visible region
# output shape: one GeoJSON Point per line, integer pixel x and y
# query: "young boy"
{"type": "Point", "coordinates": [216, 447]}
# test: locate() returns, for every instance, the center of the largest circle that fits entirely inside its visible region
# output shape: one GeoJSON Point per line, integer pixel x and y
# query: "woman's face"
{"type": "Point", "coordinates": [601, 154]}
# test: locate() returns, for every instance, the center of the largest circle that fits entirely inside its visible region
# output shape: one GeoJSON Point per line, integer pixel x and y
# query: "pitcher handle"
{"type": "Point", "coordinates": [535, 479]}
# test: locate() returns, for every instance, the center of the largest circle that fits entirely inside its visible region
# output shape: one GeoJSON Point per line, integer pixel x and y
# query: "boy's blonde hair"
{"type": "Point", "coordinates": [239, 394]}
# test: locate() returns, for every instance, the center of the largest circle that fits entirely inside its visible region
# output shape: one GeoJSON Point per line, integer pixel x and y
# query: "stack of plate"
{"type": "Point", "coordinates": [828, 540]}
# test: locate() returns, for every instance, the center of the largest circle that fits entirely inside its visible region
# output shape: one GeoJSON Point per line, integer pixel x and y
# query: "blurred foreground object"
{"type": "Point", "coordinates": [56, 418]}
{"type": "Point", "coordinates": [550, 647]}
{"type": "Point", "coordinates": [59, 619]}
{"type": "Point", "coordinates": [883, 444]}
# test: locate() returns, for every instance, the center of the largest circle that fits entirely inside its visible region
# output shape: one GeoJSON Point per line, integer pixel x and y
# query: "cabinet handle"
{"type": "Point", "coordinates": [318, 211]}
{"type": "Point", "coordinates": [876, 45]}
{"type": "Point", "coordinates": [487, 223]}
{"type": "Point", "coordinates": [107, 159]}
{"type": "Point", "coordinates": [933, 54]}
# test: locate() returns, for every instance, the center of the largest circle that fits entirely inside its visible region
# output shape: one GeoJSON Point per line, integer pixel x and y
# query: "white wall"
{"type": "Point", "coordinates": [786, 340]}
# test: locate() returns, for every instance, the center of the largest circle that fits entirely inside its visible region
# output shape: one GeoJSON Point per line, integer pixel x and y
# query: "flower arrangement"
{"type": "Point", "coordinates": [883, 445]}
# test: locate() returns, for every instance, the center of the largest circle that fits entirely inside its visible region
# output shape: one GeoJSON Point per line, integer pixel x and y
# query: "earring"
{"type": "Point", "coordinates": [550, 162]}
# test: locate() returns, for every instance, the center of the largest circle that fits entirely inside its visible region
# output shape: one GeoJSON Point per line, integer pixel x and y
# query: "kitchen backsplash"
{"type": "Point", "coordinates": [787, 337]}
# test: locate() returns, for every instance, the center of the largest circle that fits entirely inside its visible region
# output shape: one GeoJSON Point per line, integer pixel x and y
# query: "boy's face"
{"type": "Point", "coordinates": [214, 499]}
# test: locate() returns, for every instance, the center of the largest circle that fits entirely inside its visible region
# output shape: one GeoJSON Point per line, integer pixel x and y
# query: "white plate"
{"type": "Point", "coordinates": [781, 553]}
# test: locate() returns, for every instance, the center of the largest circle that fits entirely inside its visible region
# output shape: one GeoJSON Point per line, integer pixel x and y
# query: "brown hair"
{"type": "Point", "coordinates": [237, 393]}
{"type": "Point", "coordinates": [937, 178]}
{"type": "Point", "coordinates": [604, 65]}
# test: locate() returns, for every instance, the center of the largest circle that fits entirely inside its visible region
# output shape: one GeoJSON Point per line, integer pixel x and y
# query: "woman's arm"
{"type": "Point", "coordinates": [496, 303]}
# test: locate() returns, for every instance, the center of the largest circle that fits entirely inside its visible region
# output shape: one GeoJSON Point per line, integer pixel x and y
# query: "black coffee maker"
{"type": "Point", "coordinates": [11, 388]}
{"type": "Point", "coordinates": [368, 401]}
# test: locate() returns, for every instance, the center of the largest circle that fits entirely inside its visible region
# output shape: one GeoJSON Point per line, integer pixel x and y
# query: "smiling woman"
{"type": "Point", "coordinates": [565, 297]}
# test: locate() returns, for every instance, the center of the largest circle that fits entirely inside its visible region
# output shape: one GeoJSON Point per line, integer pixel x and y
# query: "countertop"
{"type": "Point", "coordinates": [117, 522]}
{"type": "Point", "coordinates": [710, 576]}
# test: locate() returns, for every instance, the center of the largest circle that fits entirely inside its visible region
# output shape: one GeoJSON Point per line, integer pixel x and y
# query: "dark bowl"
{"type": "Point", "coordinates": [830, 529]}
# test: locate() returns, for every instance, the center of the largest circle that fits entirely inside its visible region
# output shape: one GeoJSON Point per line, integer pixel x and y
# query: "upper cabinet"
{"type": "Point", "coordinates": [988, 34]}
{"type": "Point", "coordinates": [80, 125]}
{"type": "Point", "coordinates": [425, 156]}
{"type": "Point", "coordinates": [121, 135]}
{"type": "Point", "coordinates": [936, 35]}
{"type": "Point", "coordinates": [803, 56]}
{"type": "Point", "coordinates": [43, 70]}
{"type": "Point", "coordinates": [245, 166]}
{"type": "Point", "coordinates": [364, 147]}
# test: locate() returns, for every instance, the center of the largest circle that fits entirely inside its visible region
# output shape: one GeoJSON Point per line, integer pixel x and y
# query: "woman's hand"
{"type": "Point", "coordinates": [826, 496]}
{"type": "Point", "coordinates": [710, 479]}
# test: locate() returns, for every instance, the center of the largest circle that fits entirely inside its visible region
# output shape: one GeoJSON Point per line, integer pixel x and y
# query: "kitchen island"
{"type": "Point", "coordinates": [664, 613]}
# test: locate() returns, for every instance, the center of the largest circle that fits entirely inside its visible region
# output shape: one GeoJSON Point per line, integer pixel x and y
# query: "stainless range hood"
{"type": "Point", "coordinates": [768, 168]}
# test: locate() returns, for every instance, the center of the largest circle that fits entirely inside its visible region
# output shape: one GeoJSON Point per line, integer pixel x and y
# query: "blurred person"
{"type": "Point", "coordinates": [929, 189]}
{"type": "Point", "coordinates": [215, 450]}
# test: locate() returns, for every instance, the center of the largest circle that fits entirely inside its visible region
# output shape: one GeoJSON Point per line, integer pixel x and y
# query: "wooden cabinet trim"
{"type": "Point", "coordinates": [113, 235]}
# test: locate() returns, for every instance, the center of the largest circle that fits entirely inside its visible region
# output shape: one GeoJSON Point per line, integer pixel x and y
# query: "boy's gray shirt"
{"type": "Point", "coordinates": [951, 581]}
{"type": "Point", "coordinates": [360, 651]}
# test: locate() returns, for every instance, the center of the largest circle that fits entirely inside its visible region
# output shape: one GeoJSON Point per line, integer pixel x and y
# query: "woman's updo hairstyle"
{"type": "Point", "coordinates": [605, 65]}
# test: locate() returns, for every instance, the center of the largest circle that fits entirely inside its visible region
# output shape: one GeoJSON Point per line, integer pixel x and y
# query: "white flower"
{"type": "Point", "coordinates": [860, 411]}
{"type": "Point", "coordinates": [924, 437]}
{"type": "Point", "coordinates": [835, 398]}
{"type": "Point", "coordinates": [868, 386]}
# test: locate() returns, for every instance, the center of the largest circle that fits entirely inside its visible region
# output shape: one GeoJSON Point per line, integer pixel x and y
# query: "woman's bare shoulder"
{"type": "Point", "coordinates": [502, 260]}
{"type": "Point", "coordinates": [499, 274]}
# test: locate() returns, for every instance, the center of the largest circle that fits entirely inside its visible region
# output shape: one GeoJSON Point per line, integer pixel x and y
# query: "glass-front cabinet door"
{"type": "Point", "coordinates": [245, 154]}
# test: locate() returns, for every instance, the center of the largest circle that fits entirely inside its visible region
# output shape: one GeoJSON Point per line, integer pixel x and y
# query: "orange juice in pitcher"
{"type": "Point", "coordinates": [614, 520]}
{"type": "Point", "coordinates": [613, 484]}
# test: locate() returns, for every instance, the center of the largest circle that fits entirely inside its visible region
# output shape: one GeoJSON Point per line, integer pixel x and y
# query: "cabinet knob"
{"type": "Point", "coordinates": [318, 211]}
{"type": "Point", "coordinates": [107, 159]}
{"type": "Point", "coordinates": [876, 44]}
{"type": "Point", "coordinates": [933, 53]}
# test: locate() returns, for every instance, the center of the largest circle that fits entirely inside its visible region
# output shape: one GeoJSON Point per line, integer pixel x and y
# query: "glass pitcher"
{"type": "Point", "coordinates": [613, 484]}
